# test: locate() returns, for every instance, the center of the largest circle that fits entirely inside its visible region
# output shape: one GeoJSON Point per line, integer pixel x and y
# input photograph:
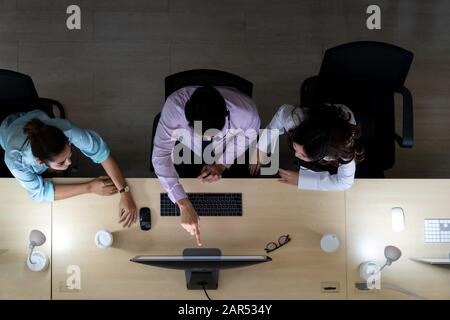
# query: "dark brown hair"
{"type": "Point", "coordinates": [326, 132]}
{"type": "Point", "coordinates": [46, 141]}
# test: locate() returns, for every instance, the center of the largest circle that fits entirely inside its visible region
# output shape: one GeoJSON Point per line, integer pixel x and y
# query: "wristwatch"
{"type": "Point", "coordinates": [124, 189]}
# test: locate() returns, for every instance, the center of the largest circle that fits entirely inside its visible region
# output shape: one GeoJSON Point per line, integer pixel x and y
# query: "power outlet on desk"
{"type": "Point", "coordinates": [330, 287]}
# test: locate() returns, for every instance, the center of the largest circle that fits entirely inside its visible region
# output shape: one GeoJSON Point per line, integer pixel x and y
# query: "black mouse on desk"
{"type": "Point", "coordinates": [145, 219]}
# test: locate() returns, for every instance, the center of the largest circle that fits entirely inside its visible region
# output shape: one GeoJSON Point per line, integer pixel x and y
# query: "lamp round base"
{"type": "Point", "coordinates": [39, 261]}
{"type": "Point", "coordinates": [368, 269]}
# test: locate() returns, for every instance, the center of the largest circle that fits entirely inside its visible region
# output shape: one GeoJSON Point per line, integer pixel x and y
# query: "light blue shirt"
{"type": "Point", "coordinates": [21, 162]}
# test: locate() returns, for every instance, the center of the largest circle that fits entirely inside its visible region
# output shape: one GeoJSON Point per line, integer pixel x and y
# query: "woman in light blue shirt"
{"type": "Point", "coordinates": [34, 142]}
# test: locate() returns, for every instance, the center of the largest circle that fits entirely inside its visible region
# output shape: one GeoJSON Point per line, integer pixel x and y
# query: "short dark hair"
{"type": "Point", "coordinates": [207, 105]}
{"type": "Point", "coordinates": [46, 141]}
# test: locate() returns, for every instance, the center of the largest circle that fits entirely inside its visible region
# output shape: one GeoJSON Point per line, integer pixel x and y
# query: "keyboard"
{"type": "Point", "coordinates": [437, 230]}
{"type": "Point", "coordinates": [206, 204]}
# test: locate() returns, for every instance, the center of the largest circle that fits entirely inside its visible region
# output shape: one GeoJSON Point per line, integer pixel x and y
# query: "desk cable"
{"type": "Point", "coordinates": [394, 287]}
{"type": "Point", "coordinates": [203, 284]}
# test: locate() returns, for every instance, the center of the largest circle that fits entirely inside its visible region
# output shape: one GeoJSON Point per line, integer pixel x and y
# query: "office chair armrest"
{"type": "Point", "coordinates": [408, 121]}
{"type": "Point", "coordinates": [53, 103]}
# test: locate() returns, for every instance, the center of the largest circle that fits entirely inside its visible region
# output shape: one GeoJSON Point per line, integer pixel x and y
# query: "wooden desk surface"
{"type": "Point", "coordinates": [369, 230]}
{"type": "Point", "coordinates": [271, 209]}
{"type": "Point", "coordinates": [18, 216]}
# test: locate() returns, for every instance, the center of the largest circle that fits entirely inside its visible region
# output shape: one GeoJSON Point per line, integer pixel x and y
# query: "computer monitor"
{"type": "Point", "coordinates": [434, 261]}
{"type": "Point", "coordinates": [201, 265]}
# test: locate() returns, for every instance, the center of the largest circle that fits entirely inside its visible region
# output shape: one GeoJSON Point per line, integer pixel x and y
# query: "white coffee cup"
{"type": "Point", "coordinates": [330, 243]}
{"type": "Point", "coordinates": [103, 239]}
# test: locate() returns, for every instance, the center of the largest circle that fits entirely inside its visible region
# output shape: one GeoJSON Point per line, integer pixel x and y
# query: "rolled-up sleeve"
{"type": "Point", "coordinates": [90, 143]}
{"type": "Point", "coordinates": [38, 188]}
{"type": "Point", "coordinates": [324, 181]}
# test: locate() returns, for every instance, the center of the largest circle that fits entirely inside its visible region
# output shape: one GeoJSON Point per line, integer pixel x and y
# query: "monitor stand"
{"type": "Point", "coordinates": [197, 278]}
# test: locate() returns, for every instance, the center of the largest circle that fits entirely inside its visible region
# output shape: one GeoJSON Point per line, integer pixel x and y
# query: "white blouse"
{"type": "Point", "coordinates": [287, 118]}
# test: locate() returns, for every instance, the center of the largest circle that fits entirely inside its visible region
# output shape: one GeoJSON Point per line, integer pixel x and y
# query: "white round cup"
{"type": "Point", "coordinates": [103, 239]}
{"type": "Point", "coordinates": [330, 243]}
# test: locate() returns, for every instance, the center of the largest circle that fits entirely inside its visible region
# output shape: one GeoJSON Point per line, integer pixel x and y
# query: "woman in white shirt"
{"type": "Point", "coordinates": [324, 139]}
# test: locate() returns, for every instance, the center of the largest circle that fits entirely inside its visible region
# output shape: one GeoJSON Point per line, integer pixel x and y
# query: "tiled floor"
{"type": "Point", "coordinates": [109, 75]}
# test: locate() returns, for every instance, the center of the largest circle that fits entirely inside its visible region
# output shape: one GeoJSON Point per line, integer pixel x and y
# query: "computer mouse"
{"type": "Point", "coordinates": [398, 219]}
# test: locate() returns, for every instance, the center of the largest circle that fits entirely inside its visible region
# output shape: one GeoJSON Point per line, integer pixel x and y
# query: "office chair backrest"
{"type": "Point", "coordinates": [206, 77]}
{"type": "Point", "coordinates": [364, 76]}
{"type": "Point", "coordinates": [367, 63]}
{"type": "Point", "coordinates": [17, 94]}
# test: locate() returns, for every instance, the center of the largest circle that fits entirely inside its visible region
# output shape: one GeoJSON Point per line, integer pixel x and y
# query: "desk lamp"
{"type": "Point", "coordinates": [37, 260]}
{"type": "Point", "coordinates": [371, 268]}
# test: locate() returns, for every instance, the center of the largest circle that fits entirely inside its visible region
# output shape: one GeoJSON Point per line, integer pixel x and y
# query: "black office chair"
{"type": "Point", "coordinates": [365, 75]}
{"type": "Point", "coordinates": [18, 94]}
{"type": "Point", "coordinates": [199, 77]}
